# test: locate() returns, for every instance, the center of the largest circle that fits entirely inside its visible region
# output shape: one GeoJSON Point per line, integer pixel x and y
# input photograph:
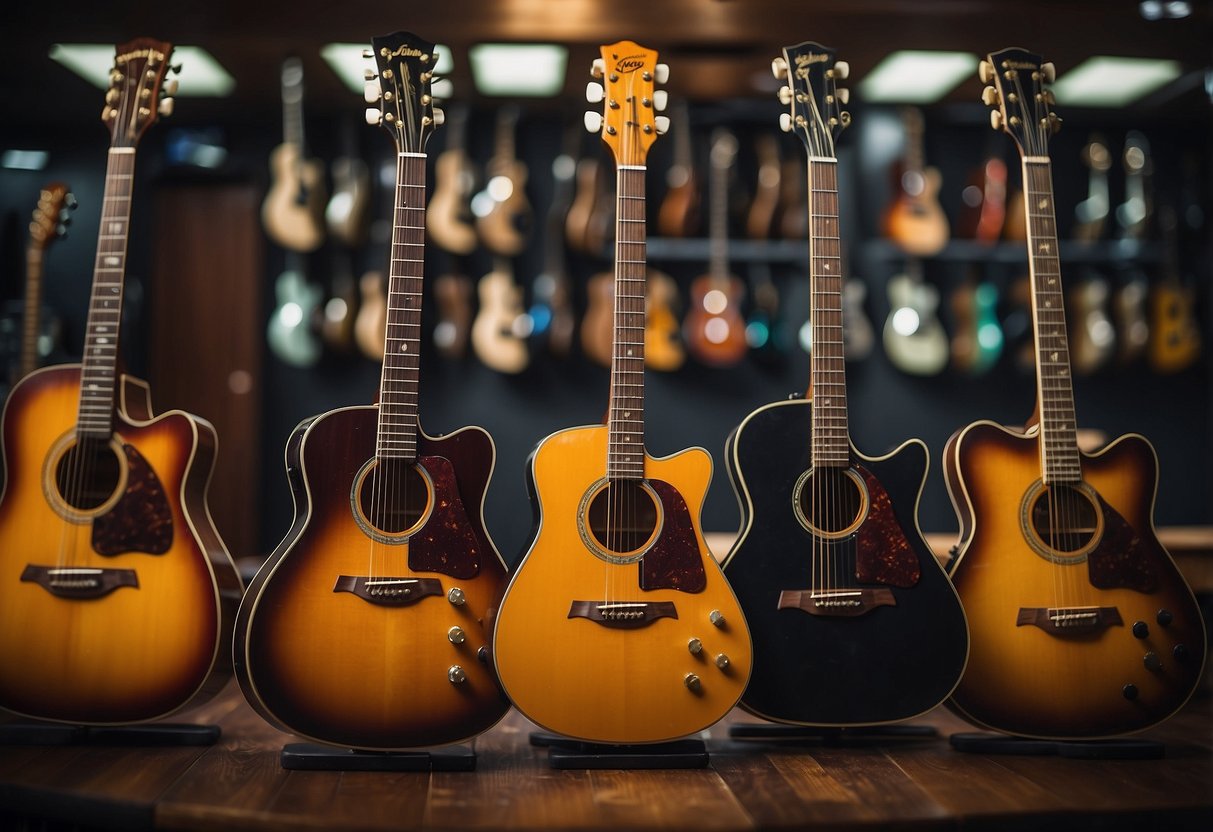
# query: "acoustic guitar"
{"type": "Point", "coordinates": [1091, 214]}
{"type": "Point", "coordinates": [116, 591]}
{"type": "Point", "coordinates": [551, 310]}
{"type": "Point", "coordinates": [1093, 339]}
{"type": "Point", "coordinates": [293, 211]}
{"type": "Point", "coordinates": [678, 214]}
{"type": "Point", "coordinates": [502, 326]}
{"type": "Point", "coordinates": [1135, 217]}
{"type": "Point", "coordinates": [617, 599]}
{"type": "Point", "coordinates": [915, 220]}
{"type": "Point", "coordinates": [1081, 624]}
{"type": "Point", "coordinates": [504, 224]}
{"type": "Point", "coordinates": [914, 338]}
{"type": "Point", "coordinates": [39, 333]}
{"type": "Point", "coordinates": [1175, 341]}
{"type": "Point", "coordinates": [663, 349]}
{"type": "Point", "coordinates": [854, 621]}
{"type": "Point", "coordinates": [449, 216]}
{"type": "Point", "coordinates": [985, 203]}
{"type": "Point", "coordinates": [977, 337]}
{"type": "Point", "coordinates": [366, 626]}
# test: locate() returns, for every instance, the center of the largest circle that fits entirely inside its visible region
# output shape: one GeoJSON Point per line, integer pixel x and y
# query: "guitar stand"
{"type": "Point", "coordinates": [566, 753]}
{"type": "Point", "coordinates": [831, 737]}
{"type": "Point", "coordinates": [161, 735]}
{"type": "Point", "coordinates": [984, 742]}
{"type": "Point", "coordinates": [310, 756]}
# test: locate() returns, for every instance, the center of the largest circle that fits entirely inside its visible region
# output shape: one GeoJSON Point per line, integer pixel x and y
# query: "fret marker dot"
{"type": "Point", "coordinates": [627, 415]}
{"type": "Point", "coordinates": [629, 353]}
{"type": "Point", "coordinates": [404, 347]}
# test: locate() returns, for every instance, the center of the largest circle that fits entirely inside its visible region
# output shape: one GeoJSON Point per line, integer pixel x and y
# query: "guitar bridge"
{"type": "Point", "coordinates": [623, 615]}
{"type": "Point", "coordinates": [1062, 620]}
{"type": "Point", "coordinates": [387, 591]}
{"type": "Point", "coordinates": [836, 602]}
{"type": "Point", "coordinates": [81, 583]}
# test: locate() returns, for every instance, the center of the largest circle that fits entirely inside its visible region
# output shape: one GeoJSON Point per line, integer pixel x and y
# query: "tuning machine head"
{"type": "Point", "coordinates": [374, 116]}
{"type": "Point", "coordinates": [597, 68]}
{"type": "Point", "coordinates": [371, 90]}
{"type": "Point", "coordinates": [661, 100]}
{"type": "Point", "coordinates": [593, 121]}
{"type": "Point", "coordinates": [662, 123]}
{"type": "Point", "coordinates": [840, 72]}
{"type": "Point", "coordinates": [985, 71]}
{"type": "Point", "coordinates": [1048, 72]}
{"type": "Point", "coordinates": [594, 92]}
{"type": "Point", "coordinates": [779, 68]}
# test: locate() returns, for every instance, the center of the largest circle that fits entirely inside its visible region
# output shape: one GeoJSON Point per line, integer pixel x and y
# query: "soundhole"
{"type": "Point", "coordinates": [620, 519]}
{"type": "Point", "coordinates": [88, 474]}
{"type": "Point", "coordinates": [830, 502]}
{"type": "Point", "coordinates": [392, 498]}
{"type": "Point", "coordinates": [1062, 522]}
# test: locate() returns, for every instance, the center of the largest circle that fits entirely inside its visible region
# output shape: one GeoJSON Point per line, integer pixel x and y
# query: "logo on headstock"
{"type": "Point", "coordinates": [629, 64]}
{"type": "Point", "coordinates": [139, 53]}
{"type": "Point", "coordinates": [1019, 65]}
{"type": "Point", "coordinates": [406, 51]}
{"type": "Point", "coordinates": [810, 58]}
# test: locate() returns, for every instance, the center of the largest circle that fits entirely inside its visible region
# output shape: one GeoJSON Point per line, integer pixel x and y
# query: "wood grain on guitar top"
{"type": "Point", "coordinates": [603, 683]}
{"type": "Point", "coordinates": [1024, 679]}
{"type": "Point", "coordinates": [139, 652]}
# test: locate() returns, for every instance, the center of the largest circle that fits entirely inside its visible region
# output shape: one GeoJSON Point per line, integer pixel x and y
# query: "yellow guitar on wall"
{"type": "Point", "coordinates": [618, 626]}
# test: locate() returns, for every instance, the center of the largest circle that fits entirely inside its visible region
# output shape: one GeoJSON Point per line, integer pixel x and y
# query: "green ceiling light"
{"type": "Point", "coordinates": [522, 69]}
{"type": "Point", "coordinates": [24, 159]}
{"type": "Point", "coordinates": [914, 76]}
{"type": "Point", "coordinates": [201, 75]}
{"type": "Point", "coordinates": [1103, 81]}
{"type": "Point", "coordinates": [345, 59]}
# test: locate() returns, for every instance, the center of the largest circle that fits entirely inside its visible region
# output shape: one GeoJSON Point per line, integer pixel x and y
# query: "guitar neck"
{"type": "Point", "coordinates": [718, 243]}
{"type": "Point", "coordinates": [399, 383]}
{"type": "Point", "coordinates": [1055, 393]}
{"type": "Point", "coordinates": [831, 445]}
{"type": "Point", "coordinates": [292, 103]}
{"type": "Point", "coordinates": [99, 371]}
{"type": "Point", "coordinates": [33, 306]}
{"type": "Point", "coordinates": [625, 449]}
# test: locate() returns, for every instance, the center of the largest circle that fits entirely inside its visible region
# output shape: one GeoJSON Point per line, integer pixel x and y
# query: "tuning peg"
{"type": "Point", "coordinates": [1047, 97]}
{"type": "Point", "coordinates": [170, 88]}
{"type": "Point", "coordinates": [660, 99]}
{"type": "Point", "coordinates": [990, 97]}
{"type": "Point", "coordinates": [439, 117]}
{"type": "Point", "coordinates": [61, 230]}
{"type": "Point", "coordinates": [166, 107]}
{"type": "Point", "coordinates": [843, 95]}
{"type": "Point", "coordinates": [594, 92]}
{"type": "Point", "coordinates": [369, 54]}
{"type": "Point", "coordinates": [368, 74]}
{"type": "Point", "coordinates": [779, 68]}
{"type": "Point", "coordinates": [373, 116]}
{"type": "Point", "coordinates": [663, 124]}
{"type": "Point", "coordinates": [371, 91]}
{"type": "Point", "coordinates": [593, 121]}
{"type": "Point", "coordinates": [996, 119]}
{"type": "Point", "coordinates": [111, 96]}
{"type": "Point", "coordinates": [597, 68]}
{"type": "Point", "coordinates": [785, 122]}
{"type": "Point", "coordinates": [1054, 122]}
{"type": "Point", "coordinates": [985, 71]}
{"type": "Point", "coordinates": [785, 95]}
{"type": "Point", "coordinates": [662, 73]}
{"type": "Point", "coordinates": [69, 199]}
{"type": "Point", "coordinates": [841, 70]}
{"type": "Point", "coordinates": [845, 118]}
{"type": "Point", "coordinates": [1048, 71]}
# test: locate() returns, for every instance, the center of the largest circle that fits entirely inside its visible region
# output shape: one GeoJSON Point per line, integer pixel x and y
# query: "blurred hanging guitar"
{"type": "Point", "coordinates": [678, 215]}
{"type": "Point", "coordinates": [116, 592]}
{"type": "Point", "coordinates": [365, 625]}
{"type": "Point", "coordinates": [449, 217]}
{"type": "Point", "coordinates": [505, 224]}
{"type": "Point", "coordinates": [914, 338]}
{"type": "Point", "coordinates": [551, 310]}
{"type": "Point", "coordinates": [293, 210]}
{"type": "Point", "coordinates": [1081, 624]}
{"type": "Point", "coordinates": [501, 327]}
{"type": "Point", "coordinates": [617, 600]}
{"type": "Point", "coordinates": [1174, 335]}
{"type": "Point", "coordinates": [854, 620]}
{"type": "Point", "coordinates": [1134, 216]}
{"type": "Point", "coordinates": [915, 220]}
{"type": "Point", "coordinates": [49, 223]}
{"type": "Point", "coordinates": [714, 329]}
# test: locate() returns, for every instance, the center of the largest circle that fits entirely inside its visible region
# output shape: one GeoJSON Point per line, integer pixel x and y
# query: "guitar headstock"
{"type": "Point", "coordinates": [1021, 103]}
{"type": "Point", "coordinates": [137, 95]}
{"type": "Point", "coordinates": [52, 216]}
{"type": "Point", "coordinates": [400, 90]}
{"type": "Point", "coordinates": [811, 92]}
{"type": "Point", "coordinates": [628, 123]}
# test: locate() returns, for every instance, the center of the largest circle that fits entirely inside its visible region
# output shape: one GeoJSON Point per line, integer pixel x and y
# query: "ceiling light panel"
{"type": "Point", "coordinates": [201, 75]}
{"type": "Point", "coordinates": [1103, 81]}
{"type": "Point", "coordinates": [917, 76]}
{"type": "Point", "coordinates": [521, 69]}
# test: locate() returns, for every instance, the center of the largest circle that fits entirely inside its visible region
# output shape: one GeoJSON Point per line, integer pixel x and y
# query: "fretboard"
{"type": "Point", "coordinates": [625, 422]}
{"type": "Point", "coordinates": [831, 444]}
{"type": "Point", "coordinates": [718, 229]}
{"type": "Point", "coordinates": [398, 386]}
{"type": "Point", "coordinates": [1058, 438]}
{"type": "Point", "coordinates": [33, 309]}
{"type": "Point", "coordinates": [100, 357]}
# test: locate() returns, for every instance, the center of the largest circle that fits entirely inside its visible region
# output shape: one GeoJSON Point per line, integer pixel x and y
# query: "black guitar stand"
{"type": "Point", "coordinates": [831, 737]}
{"type": "Point", "coordinates": [310, 756]}
{"type": "Point", "coordinates": [159, 735]}
{"type": "Point", "coordinates": [984, 742]}
{"type": "Point", "coordinates": [567, 753]}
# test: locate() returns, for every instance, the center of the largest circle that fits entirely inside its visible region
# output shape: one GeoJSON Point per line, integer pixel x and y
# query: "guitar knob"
{"type": "Point", "coordinates": [165, 107]}
{"type": "Point", "coordinates": [785, 122]}
{"type": "Point", "coordinates": [456, 635]}
{"type": "Point", "coordinates": [1165, 618]}
{"type": "Point", "coordinates": [373, 116]}
{"type": "Point", "coordinates": [663, 124]}
{"type": "Point", "coordinates": [990, 97]}
{"type": "Point", "coordinates": [371, 91]}
{"type": "Point", "coordinates": [985, 71]}
{"type": "Point", "coordinates": [1180, 652]}
{"type": "Point", "coordinates": [1048, 71]}
{"type": "Point", "coordinates": [111, 96]}
{"type": "Point", "coordinates": [693, 682]}
{"type": "Point", "coordinates": [695, 646]}
{"type": "Point", "coordinates": [1151, 661]}
{"type": "Point", "coordinates": [717, 618]}
{"type": "Point", "coordinates": [779, 68]}
{"type": "Point", "coordinates": [722, 661]}
{"type": "Point", "coordinates": [1129, 691]}
{"type": "Point", "coordinates": [996, 119]}
{"type": "Point", "coordinates": [593, 121]}
{"type": "Point", "coordinates": [1140, 629]}
{"type": "Point", "coordinates": [1054, 122]}
{"type": "Point", "coordinates": [597, 68]}
{"type": "Point", "coordinates": [660, 99]}
{"type": "Point", "coordinates": [785, 95]}
{"type": "Point", "coordinates": [843, 95]}
{"type": "Point", "coordinates": [841, 70]}
{"type": "Point", "coordinates": [456, 675]}
{"type": "Point", "coordinates": [661, 73]}
{"type": "Point", "coordinates": [594, 92]}
{"type": "Point", "coordinates": [456, 597]}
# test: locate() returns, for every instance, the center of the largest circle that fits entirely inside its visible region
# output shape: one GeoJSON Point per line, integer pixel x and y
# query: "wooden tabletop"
{"type": "Point", "coordinates": [239, 784]}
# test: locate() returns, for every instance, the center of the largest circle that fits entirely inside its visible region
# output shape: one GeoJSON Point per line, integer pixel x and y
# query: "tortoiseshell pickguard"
{"type": "Point", "coordinates": [447, 543]}
{"type": "Point", "coordinates": [142, 519]}
{"type": "Point", "coordinates": [1123, 558]}
{"type": "Point", "coordinates": [883, 554]}
{"type": "Point", "coordinates": [675, 561]}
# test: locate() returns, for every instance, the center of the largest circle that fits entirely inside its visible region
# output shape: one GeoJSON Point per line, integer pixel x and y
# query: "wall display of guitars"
{"type": "Point", "coordinates": [367, 625]}
{"type": "Point", "coordinates": [617, 599]}
{"type": "Point", "coordinates": [854, 621]}
{"type": "Point", "coordinates": [1081, 624]}
{"type": "Point", "coordinates": [116, 591]}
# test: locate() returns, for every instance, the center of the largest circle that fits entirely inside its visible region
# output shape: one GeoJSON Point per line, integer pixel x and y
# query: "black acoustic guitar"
{"type": "Point", "coordinates": [854, 621]}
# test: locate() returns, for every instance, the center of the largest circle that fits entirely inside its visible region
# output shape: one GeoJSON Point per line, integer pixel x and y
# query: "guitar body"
{"type": "Point", "coordinates": [1024, 679]}
{"type": "Point", "coordinates": [294, 205]}
{"type": "Point", "coordinates": [448, 217]}
{"type": "Point", "coordinates": [917, 222]}
{"type": "Point", "coordinates": [336, 662]}
{"type": "Point", "coordinates": [597, 327]}
{"type": "Point", "coordinates": [621, 681]}
{"type": "Point", "coordinates": [890, 662]}
{"type": "Point", "coordinates": [371, 322]}
{"type": "Point", "coordinates": [716, 335]}
{"type": "Point", "coordinates": [923, 352]}
{"type": "Point", "coordinates": [149, 632]}
{"type": "Point", "coordinates": [1093, 339]}
{"type": "Point", "coordinates": [494, 338]}
{"type": "Point", "coordinates": [453, 294]}
{"type": "Point", "coordinates": [1129, 309]}
{"type": "Point", "coordinates": [662, 340]}
{"type": "Point", "coordinates": [1174, 335]}
{"type": "Point", "coordinates": [505, 228]}
{"type": "Point", "coordinates": [857, 335]}
{"type": "Point", "coordinates": [678, 215]}
{"type": "Point", "coordinates": [291, 330]}
{"type": "Point", "coordinates": [346, 212]}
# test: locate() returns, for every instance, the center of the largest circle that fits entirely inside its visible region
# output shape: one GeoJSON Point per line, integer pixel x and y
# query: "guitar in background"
{"type": "Point", "coordinates": [764, 329]}
{"type": "Point", "coordinates": [985, 203]}
{"type": "Point", "coordinates": [763, 216]}
{"type": "Point", "coordinates": [371, 323]}
{"type": "Point", "coordinates": [116, 592]}
{"type": "Point", "coordinates": [40, 331]}
{"type": "Point", "coordinates": [714, 328]}
{"type": "Point", "coordinates": [346, 218]}
{"type": "Point", "coordinates": [503, 215]}
{"type": "Point", "coordinates": [501, 327]}
{"type": "Point", "coordinates": [364, 627]}
{"type": "Point", "coordinates": [678, 215]}
{"type": "Point", "coordinates": [663, 349]}
{"type": "Point", "coordinates": [1134, 217]}
{"type": "Point", "coordinates": [1081, 624]}
{"type": "Point", "coordinates": [293, 331]}
{"type": "Point", "coordinates": [577, 220]}
{"type": "Point", "coordinates": [1175, 340]}
{"type": "Point", "coordinates": [1093, 340]}
{"type": "Point", "coordinates": [1091, 215]}
{"type": "Point", "coordinates": [858, 337]}
{"type": "Point", "coordinates": [617, 599]}
{"type": "Point", "coordinates": [915, 220]}
{"type": "Point", "coordinates": [977, 336]}
{"type": "Point", "coordinates": [551, 310]}
{"type": "Point", "coordinates": [293, 211]}
{"type": "Point", "coordinates": [451, 227]}
{"type": "Point", "coordinates": [914, 339]}
{"type": "Point", "coordinates": [854, 620]}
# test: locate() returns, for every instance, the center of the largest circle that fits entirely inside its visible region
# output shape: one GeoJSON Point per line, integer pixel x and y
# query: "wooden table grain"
{"type": "Point", "coordinates": [238, 784]}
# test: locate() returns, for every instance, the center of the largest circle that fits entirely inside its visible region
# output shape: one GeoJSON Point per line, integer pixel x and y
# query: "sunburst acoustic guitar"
{"type": "Point", "coordinates": [854, 620]}
{"type": "Point", "coordinates": [1081, 624]}
{"type": "Point", "coordinates": [618, 625]}
{"type": "Point", "coordinates": [366, 627]}
{"type": "Point", "coordinates": [116, 592]}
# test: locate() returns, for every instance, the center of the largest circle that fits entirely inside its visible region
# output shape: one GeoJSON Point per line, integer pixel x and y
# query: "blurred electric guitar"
{"type": "Point", "coordinates": [503, 221]}
{"type": "Point", "coordinates": [914, 338]}
{"type": "Point", "coordinates": [914, 220]}
{"type": "Point", "coordinates": [1081, 625]}
{"type": "Point", "coordinates": [293, 211]}
{"type": "Point", "coordinates": [116, 591]}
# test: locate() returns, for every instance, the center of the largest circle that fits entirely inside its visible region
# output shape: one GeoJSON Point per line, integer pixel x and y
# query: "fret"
{"type": "Point", "coordinates": [830, 434]}
{"type": "Point", "coordinates": [625, 423]}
